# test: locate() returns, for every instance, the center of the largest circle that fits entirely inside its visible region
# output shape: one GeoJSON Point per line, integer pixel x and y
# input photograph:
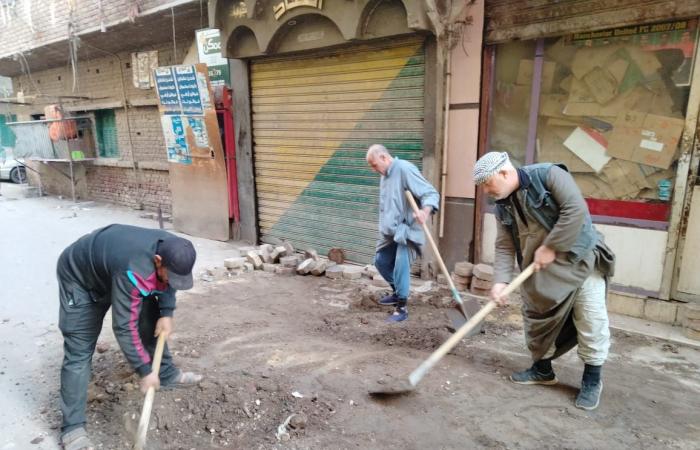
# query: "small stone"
{"type": "Point", "coordinates": [289, 261]}
{"type": "Point", "coordinates": [39, 439]}
{"type": "Point", "coordinates": [319, 268]}
{"type": "Point", "coordinates": [282, 270]}
{"type": "Point", "coordinates": [311, 254]}
{"type": "Point", "coordinates": [337, 255]}
{"type": "Point", "coordinates": [334, 272]}
{"type": "Point", "coordinates": [234, 263]}
{"type": "Point", "coordinates": [289, 248]}
{"type": "Point", "coordinates": [254, 259]}
{"type": "Point", "coordinates": [298, 421]}
{"type": "Point", "coordinates": [269, 267]}
{"type": "Point", "coordinates": [102, 347]}
{"type": "Point", "coordinates": [305, 267]}
{"type": "Point", "coordinates": [464, 269]}
{"type": "Point", "coordinates": [483, 271]}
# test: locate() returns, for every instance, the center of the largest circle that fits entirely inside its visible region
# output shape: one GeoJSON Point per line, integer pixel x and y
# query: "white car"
{"type": "Point", "coordinates": [10, 168]}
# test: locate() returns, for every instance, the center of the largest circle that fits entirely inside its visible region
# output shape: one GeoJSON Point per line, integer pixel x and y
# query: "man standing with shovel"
{"type": "Point", "coordinates": [543, 219]}
{"type": "Point", "coordinates": [399, 228]}
{"type": "Point", "coordinates": [136, 272]}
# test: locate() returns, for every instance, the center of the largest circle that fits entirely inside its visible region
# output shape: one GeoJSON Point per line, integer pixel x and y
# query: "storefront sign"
{"type": "Point", "coordinates": [667, 31]}
{"type": "Point", "coordinates": [209, 49]}
{"type": "Point", "coordinates": [282, 7]}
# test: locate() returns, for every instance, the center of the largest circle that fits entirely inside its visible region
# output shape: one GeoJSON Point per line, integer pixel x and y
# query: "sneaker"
{"type": "Point", "coordinates": [389, 300]}
{"type": "Point", "coordinates": [399, 315]}
{"type": "Point", "coordinates": [532, 376]}
{"type": "Point", "coordinates": [589, 395]}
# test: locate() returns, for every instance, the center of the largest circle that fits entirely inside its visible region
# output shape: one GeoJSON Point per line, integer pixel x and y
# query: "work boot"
{"type": "Point", "coordinates": [540, 373]}
{"type": "Point", "coordinates": [588, 397]}
{"type": "Point", "coordinates": [389, 300]}
{"type": "Point", "coordinates": [76, 439]}
{"type": "Point", "coordinates": [400, 312]}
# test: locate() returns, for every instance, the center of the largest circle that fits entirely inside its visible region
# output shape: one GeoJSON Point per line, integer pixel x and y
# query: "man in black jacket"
{"type": "Point", "coordinates": [136, 272]}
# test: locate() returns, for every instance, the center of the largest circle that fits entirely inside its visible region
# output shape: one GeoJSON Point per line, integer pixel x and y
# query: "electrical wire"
{"type": "Point", "coordinates": [172, 14]}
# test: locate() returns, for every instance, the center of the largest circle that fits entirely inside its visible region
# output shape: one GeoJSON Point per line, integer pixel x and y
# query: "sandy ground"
{"type": "Point", "coordinates": [276, 346]}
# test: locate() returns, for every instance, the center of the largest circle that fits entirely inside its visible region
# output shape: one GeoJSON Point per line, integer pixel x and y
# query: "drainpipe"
{"type": "Point", "coordinates": [446, 130]}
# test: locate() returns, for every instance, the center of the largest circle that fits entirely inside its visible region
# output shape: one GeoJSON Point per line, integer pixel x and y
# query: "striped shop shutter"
{"type": "Point", "coordinates": [314, 115]}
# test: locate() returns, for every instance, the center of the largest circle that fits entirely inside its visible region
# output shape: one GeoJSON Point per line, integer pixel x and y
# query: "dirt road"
{"type": "Point", "coordinates": [272, 346]}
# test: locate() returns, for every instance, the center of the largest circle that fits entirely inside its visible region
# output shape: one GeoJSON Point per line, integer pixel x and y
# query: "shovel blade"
{"type": "Point", "coordinates": [391, 388]}
{"type": "Point", "coordinates": [457, 319]}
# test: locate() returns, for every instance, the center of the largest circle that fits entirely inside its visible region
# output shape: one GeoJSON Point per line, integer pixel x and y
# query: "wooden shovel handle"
{"type": "Point", "coordinates": [437, 355]}
{"type": "Point", "coordinates": [429, 237]}
{"type": "Point", "coordinates": [150, 395]}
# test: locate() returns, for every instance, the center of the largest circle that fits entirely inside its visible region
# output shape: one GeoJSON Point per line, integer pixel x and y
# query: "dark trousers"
{"type": "Point", "coordinates": [80, 320]}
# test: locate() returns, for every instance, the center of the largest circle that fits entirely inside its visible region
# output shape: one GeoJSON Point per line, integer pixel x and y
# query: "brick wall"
{"type": "Point", "coordinates": [18, 35]}
{"type": "Point", "coordinates": [136, 189]}
{"type": "Point", "coordinates": [99, 79]}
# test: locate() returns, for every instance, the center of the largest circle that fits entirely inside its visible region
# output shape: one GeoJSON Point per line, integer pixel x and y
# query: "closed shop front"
{"type": "Point", "coordinates": [313, 117]}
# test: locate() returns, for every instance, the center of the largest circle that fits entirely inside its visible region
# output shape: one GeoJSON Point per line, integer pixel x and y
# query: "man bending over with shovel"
{"type": "Point", "coordinates": [136, 272]}
{"type": "Point", "coordinates": [543, 218]}
{"type": "Point", "coordinates": [400, 233]}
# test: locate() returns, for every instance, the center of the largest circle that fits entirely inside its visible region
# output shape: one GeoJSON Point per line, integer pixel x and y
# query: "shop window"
{"type": "Point", "coordinates": [106, 129]}
{"type": "Point", "coordinates": [611, 107]}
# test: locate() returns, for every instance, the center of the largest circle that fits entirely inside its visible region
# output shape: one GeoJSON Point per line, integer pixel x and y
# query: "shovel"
{"type": "Point", "coordinates": [140, 439]}
{"type": "Point", "coordinates": [405, 386]}
{"type": "Point", "coordinates": [463, 311]}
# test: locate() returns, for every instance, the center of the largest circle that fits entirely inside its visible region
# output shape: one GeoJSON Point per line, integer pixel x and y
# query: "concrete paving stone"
{"type": "Point", "coordinates": [319, 268]}
{"type": "Point", "coordinates": [248, 267]}
{"type": "Point", "coordinates": [253, 258]}
{"type": "Point", "coordinates": [464, 269]}
{"type": "Point", "coordinates": [289, 248]}
{"type": "Point", "coordinates": [370, 271]}
{"type": "Point", "coordinates": [483, 285]}
{"type": "Point", "coordinates": [289, 261]}
{"type": "Point", "coordinates": [278, 251]}
{"type": "Point", "coordinates": [282, 270]}
{"type": "Point", "coordinates": [483, 271]}
{"type": "Point", "coordinates": [306, 266]}
{"type": "Point", "coordinates": [335, 272]}
{"type": "Point", "coordinates": [269, 267]}
{"type": "Point", "coordinates": [234, 263]}
{"type": "Point", "coordinates": [352, 273]}
{"type": "Point", "coordinates": [311, 254]}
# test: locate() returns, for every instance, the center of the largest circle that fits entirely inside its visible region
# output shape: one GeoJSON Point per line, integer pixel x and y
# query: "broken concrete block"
{"type": "Point", "coordinates": [335, 272]}
{"type": "Point", "coordinates": [305, 267]}
{"type": "Point", "coordinates": [219, 273]}
{"type": "Point", "coordinates": [289, 261]}
{"type": "Point", "coordinates": [248, 267]}
{"type": "Point", "coordinates": [483, 285]}
{"type": "Point", "coordinates": [234, 263]}
{"type": "Point", "coordinates": [311, 254]}
{"type": "Point", "coordinates": [337, 255]}
{"type": "Point", "coordinates": [352, 272]}
{"type": "Point", "coordinates": [269, 267]}
{"type": "Point", "coordinates": [483, 271]}
{"type": "Point", "coordinates": [265, 252]}
{"type": "Point", "coordinates": [319, 268]}
{"type": "Point", "coordinates": [253, 258]}
{"type": "Point", "coordinates": [464, 269]}
{"type": "Point", "coordinates": [277, 252]}
{"type": "Point", "coordinates": [289, 248]}
{"type": "Point", "coordinates": [282, 270]}
{"type": "Point", "coordinates": [660, 311]}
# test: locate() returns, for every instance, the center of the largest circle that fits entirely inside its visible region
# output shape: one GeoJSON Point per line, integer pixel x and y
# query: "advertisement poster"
{"type": "Point", "coordinates": [209, 49]}
{"type": "Point", "coordinates": [175, 139]}
{"type": "Point", "coordinates": [188, 89]}
{"type": "Point", "coordinates": [167, 91]}
{"type": "Point", "coordinates": [199, 131]}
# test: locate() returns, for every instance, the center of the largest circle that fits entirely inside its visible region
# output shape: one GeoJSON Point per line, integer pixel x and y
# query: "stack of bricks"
{"type": "Point", "coordinates": [690, 319]}
{"type": "Point", "coordinates": [482, 280]}
{"type": "Point", "coordinates": [462, 275]}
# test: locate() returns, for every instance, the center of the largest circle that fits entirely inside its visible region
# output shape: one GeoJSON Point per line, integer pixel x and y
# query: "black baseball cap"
{"type": "Point", "coordinates": [178, 256]}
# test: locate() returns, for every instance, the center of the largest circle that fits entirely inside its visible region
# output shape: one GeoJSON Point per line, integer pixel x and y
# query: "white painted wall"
{"type": "Point", "coordinates": [639, 253]}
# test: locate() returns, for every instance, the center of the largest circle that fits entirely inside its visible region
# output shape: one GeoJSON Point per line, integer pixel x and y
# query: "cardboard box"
{"type": "Point", "coordinates": [625, 178]}
{"type": "Point", "coordinates": [645, 138]}
{"type": "Point", "coordinates": [551, 149]}
{"type": "Point", "coordinates": [552, 105]}
{"type": "Point", "coordinates": [601, 85]}
{"type": "Point", "coordinates": [525, 71]}
{"type": "Point", "coordinates": [588, 58]}
{"type": "Point", "coordinates": [593, 187]}
{"type": "Point", "coordinates": [590, 146]}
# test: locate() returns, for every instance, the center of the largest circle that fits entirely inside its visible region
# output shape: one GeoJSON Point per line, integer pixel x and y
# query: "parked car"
{"type": "Point", "coordinates": [10, 168]}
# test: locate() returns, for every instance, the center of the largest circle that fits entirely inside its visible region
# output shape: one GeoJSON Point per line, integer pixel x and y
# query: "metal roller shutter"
{"type": "Point", "coordinates": [313, 118]}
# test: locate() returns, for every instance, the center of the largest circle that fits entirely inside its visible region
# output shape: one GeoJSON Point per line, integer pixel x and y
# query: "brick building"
{"type": "Point", "coordinates": [36, 43]}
